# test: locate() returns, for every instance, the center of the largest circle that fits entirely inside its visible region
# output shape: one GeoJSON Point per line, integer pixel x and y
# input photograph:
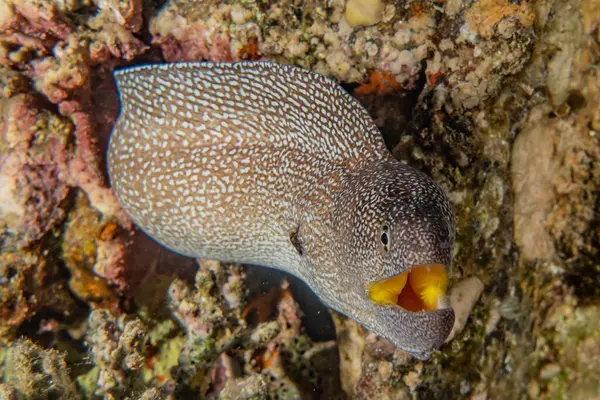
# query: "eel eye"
{"type": "Point", "coordinates": [385, 239]}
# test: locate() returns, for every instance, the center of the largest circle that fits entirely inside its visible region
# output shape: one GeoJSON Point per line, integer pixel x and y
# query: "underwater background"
{"type": "Point", "coordinates": [497, 100]}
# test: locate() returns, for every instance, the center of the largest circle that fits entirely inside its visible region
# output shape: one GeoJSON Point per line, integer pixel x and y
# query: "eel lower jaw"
{"type": "Point", "coordinates": [422, 288]}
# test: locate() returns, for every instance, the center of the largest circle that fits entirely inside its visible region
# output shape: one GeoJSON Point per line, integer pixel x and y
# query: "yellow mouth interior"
{"type": "Point", "coordinates": [415, 290]}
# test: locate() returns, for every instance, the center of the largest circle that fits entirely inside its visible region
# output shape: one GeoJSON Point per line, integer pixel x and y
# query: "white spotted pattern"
{"type": "Point", "coordinates": [274, 165]}
{"type": "Point", "coordinates": [216, 160]}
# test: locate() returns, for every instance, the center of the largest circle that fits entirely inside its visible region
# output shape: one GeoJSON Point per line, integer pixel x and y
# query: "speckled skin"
{"type": "Point", "coordinates": [273, 165]}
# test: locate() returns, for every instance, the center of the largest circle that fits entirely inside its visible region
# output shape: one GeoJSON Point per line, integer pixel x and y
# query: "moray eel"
{"type": "Point", "coordinates": [273, 165]}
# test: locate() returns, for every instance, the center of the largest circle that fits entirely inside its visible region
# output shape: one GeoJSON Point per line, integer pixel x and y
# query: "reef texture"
{"type": "Point", "coordinates": [498, 100]}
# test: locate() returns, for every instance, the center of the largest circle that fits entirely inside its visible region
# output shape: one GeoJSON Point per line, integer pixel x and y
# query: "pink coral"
{"type": "Point", "coordinates": [110, 262]}
{"type": "Point", "coordinates": [197, 44]}
{"type": "Point", "coordinates": [84, 172]}
{"type": "Point", "coordinates": [65, 80]}
{"type": "Point", "coordinates": [47, 155]}
{"type": "Point", "coordinates": [38, 19]}
{"type": "Point", "coordinates": [33, 174]}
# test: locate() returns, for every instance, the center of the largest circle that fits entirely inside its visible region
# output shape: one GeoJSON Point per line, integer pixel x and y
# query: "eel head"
{"type": "Point", "coordinates": [394, 237]}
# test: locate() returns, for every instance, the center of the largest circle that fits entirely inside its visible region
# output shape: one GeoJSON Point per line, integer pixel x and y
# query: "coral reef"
{"type": "Point", "coordinates": [285, 32]}
{"type": "Point", "coordinates": [49, 159]}
{"type": "Point", "coordinates": [498, 100]}
{"type": "Point", "coordinates": [479, 48]}
{"type": "Point", "coordinates": [221, 350]}
{"type": "Point", "coordinates": [31, 372]}
{"type": "Point", "coordinates": [117, 349]}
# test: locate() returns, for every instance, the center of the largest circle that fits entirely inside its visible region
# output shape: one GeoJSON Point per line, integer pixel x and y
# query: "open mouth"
{"type": "Point", "coordinates": [422, 288]}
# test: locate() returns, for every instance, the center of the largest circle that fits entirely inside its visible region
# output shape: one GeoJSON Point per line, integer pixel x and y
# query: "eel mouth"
{"type": "Point", "coordinates": [422, 288]}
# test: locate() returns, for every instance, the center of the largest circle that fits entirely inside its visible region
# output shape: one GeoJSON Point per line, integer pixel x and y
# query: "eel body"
{"type": "Point", "coordinates": [273, 165]}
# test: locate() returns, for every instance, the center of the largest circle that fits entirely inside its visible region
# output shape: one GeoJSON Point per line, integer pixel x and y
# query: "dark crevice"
{"type": "Point", "coordinates": [392, 113]}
